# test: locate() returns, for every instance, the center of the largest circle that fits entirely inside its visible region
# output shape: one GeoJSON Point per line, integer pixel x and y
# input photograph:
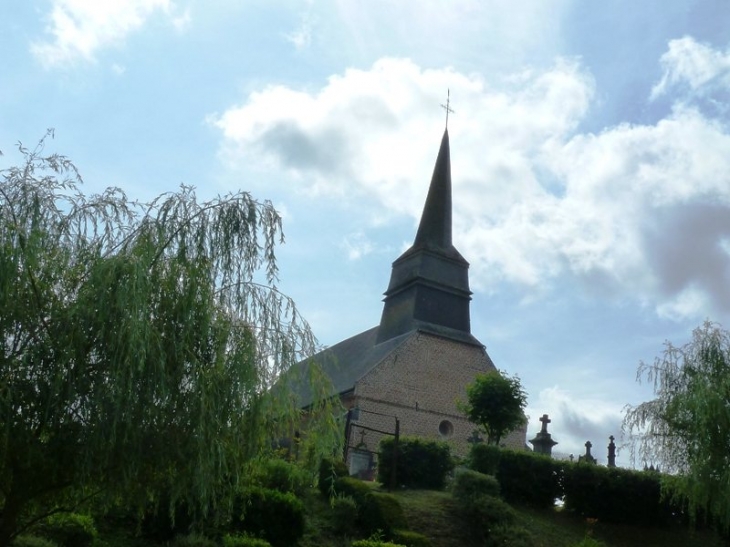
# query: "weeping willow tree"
{"type": "Point", "coordinates": [686, 428]}
{"type": "Point", "coordinates": [142, 346]}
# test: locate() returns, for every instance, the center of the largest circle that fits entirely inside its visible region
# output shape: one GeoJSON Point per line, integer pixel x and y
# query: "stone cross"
{"type": "Point", "coordinates": [447, 107]}
{"type": "Point", "coordinates": [545, 421]}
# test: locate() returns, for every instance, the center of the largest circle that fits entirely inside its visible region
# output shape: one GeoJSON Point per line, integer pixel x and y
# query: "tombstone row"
{"type": "Point", "coordinates": [543, 443]}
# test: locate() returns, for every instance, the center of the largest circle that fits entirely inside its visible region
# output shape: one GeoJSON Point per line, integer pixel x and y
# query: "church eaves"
{"type": "Point", "coordinates": [429, 283]}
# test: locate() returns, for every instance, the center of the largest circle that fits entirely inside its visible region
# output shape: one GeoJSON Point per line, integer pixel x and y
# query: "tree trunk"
{"type": "Point", "coordinates": [9, 518]}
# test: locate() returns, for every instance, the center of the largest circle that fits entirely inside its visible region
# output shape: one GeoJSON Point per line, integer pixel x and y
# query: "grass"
{"type": "Point", "coordinates": [436, 515]}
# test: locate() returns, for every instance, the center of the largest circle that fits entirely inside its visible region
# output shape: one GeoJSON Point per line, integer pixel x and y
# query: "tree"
{"type": "Point", "coordinates": [496, 403]}
{"type": "Point", "coordinates": [139, 343]}
{"type": "Point", "coordinates": [686, 427]}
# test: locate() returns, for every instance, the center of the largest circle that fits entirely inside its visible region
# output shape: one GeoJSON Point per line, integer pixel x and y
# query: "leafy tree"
{"type": "Point", "coordinates": [496, 403]}
{"type": "Point", "coordinates": [140, 344]}
{"type": "Point", "coordinates": [686, 427]}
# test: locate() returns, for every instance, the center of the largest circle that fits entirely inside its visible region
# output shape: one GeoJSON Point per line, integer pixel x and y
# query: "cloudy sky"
{"type": "Point", "coordinates": [590, 156]}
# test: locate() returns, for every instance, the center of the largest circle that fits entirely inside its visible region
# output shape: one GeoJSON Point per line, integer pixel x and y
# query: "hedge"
{"type": "Point", "coordinates": [421, 463]}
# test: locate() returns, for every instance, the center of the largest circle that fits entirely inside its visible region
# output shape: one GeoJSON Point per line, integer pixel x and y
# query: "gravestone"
{"type": "Point", "coordinates": [543, 442]}
{"type": "Point", "coordinates": [611, 452]}
{"type": "Point", "coordinates": [587, 457]}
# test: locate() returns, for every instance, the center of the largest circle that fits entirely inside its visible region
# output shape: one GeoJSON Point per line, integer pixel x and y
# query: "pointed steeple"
{"type": "Point", "coordinates": [429, 283]}
{"type": "Point", "coordinates": [435, 228]}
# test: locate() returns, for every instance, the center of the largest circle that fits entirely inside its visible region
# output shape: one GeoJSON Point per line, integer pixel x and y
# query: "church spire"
{"type": "Point", "coordinates": [435, 228]}
{"type": "Point", "coordinates": [429, 283]}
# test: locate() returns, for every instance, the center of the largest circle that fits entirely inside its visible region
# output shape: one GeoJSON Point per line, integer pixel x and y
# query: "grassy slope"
{"type": "Point", "coordinates": [435, 515]}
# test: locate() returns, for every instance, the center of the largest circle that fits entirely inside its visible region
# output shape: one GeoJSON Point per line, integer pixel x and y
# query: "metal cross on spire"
{"type": "Point", "coordinates": [447, 107]}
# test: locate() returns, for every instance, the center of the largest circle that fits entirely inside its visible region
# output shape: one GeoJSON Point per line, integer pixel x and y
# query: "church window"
{"type": "Point", "coordinates": [446, 428]}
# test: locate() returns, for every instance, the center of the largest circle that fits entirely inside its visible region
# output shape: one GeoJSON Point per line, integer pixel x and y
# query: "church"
{"type": "Point", "coordinates": [405, 375]}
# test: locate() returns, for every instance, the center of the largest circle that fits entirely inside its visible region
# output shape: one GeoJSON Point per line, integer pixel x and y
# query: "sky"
{"type": "Point", "coordinates": [590, 153]}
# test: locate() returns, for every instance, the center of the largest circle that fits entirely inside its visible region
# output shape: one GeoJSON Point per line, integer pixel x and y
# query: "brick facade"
{"type": "Point", "coordinates": [420, 383]}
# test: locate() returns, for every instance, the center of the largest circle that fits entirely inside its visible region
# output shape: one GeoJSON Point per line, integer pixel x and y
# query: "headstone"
{"type": "Point", "coordinates": [543, 442]}
{"type": "Point", "coordinates": [611, 452]}
{"type": "Point", "coordinates": [587, 457]}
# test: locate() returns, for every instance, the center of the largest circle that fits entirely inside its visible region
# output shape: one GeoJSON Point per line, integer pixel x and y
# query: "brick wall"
{"type": "Point", "coordinates": [420, 383]}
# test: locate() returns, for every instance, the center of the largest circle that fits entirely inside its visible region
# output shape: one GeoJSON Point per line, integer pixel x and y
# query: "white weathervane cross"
{"type": "Point", "coordinates": [447, 107]}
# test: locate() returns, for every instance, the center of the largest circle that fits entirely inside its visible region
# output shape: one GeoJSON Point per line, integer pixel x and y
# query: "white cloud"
{"type": "Point", "coordinates": [79, 28]}
{"type": "Point", "coordinates": [694, 64]}
{"type": "Point", "coordinates": [617, 212]}
{"type": "Point", "coordinates": [301, 37]}
{"type": "Point", "coordinates": [357, 246]}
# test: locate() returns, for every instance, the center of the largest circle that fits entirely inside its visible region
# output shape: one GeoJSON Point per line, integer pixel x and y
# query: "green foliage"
{"type": "Point", "coordinates": [468, 485]}
{"type": "Point", "coordinates": [278, 474]}
{"type": "Point", "coordinates": [484, 458]}
{"type": "Point", "coordinates": [617, 495]}
{"type": "Point", "coordinates": [329, 471]}
{"type": "Point", "coordinates": [68, 530]}
{"type": "Point", "coordinates": [32, 541]}
{"type": "Point", "coordinates": [485, 513]}
{"type": "Point", "coordinates": [410, 539]}
{"type": "Point", "coordinates": [138, 343]}
{"type": "Point", "coordinates": [421, 463]}
{"type": "Point", "coordinates": [509, 536]}
{"type": "Point", "coordinates": [276, 516]}
{"type": "Point", "coordinates": [344, 515]}
{"type": "Point", "coordinates": [374, 543]}
{"type": "Point", "coordinates": [496, 403]}
{"type": "Point", "coordinates": [529, 478]}
{"type": "Point", "coordinates": [244, 541]}
{"type": "Point", "coordinates": [589, 542]}
{"type": "Point", "coordinates": [687, 426]}
{"type": "Point", "coordinates": [355, 488]}
{"type": "Point", "coordinates": [381, 512]}
{"type": "Point", "coordinates": [192, 540]}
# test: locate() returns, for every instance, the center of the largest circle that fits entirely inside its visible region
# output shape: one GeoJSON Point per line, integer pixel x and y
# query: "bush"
{"type": "Point", "coordinates": [244, 541]}
{"type": "Point", "coordinates": [32, 541]}
{"type": "Point", "coordinates": [355, 488]}
{"type": "Point", "coordinates": [192, 540]}
{"type": "Point", "coordinates": [382, 513]}
{"type": "Point", "coordinates": [509, 536]}
{"type": "Point", "coordinates": [484, 458]}
{"type": "Point", "coordinates": [68, 530]}
{"type": "Point", "coordinates": [470, 484]}
{"type": "Point", "coordinates": [344, 514]}
{"type": "Point", "coordinates": [421, 463]}
{"type": "Point", "coordinates": [374, 543]}
{"type": "Point", "coordinates": [410, 539]}
{"type": "Point", "coordinates": [529, 478]}
{"type": "Point", "coordinates": [276, 516]}
{"type": "Point", "coordinates": [329, 472]}
{"type": "Point", "coordinates": [617, 495]}
{"type": "Point", "coordinates": [277, 474]}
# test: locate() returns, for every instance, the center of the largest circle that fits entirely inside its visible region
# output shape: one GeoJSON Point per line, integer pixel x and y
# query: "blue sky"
{"type": "Point", "coordinates": [590, 156]}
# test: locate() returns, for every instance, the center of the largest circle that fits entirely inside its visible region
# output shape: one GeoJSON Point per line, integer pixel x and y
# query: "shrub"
{"type": "Point", "coordinates": [529, 478]}
{"type": "Point", "coordinates": [410, 539]}
{"type": "Point", "coordinates": [421, 463]}
{"type": "Point", "coordinates": [617, 495]}
{"type": "Point", "coordinates": [350, 486]}
{"type": "Point", "coordinates": [329, 472]}
{"type": "Point", "coordinates": [261, 512]}
{"type": "Point", "coordinates": [381, 512]}
{"type": "Point", "coordinates": [374, 543]}
{"type": "Point", "coordinates": [344, 514]}
{"type": "Point", "coordinates": [192, 540]}
{"type": "Point", "coordinates": [469, 484]}
{"type": "Point", "coordinates": [32, 541]}
{"type": "Point", "coordinates": [244, 541]}
{"type": "Point", "coordinates": [484, 458]}
{"type": "Point", "coordinates": [68, 529]}
{"type": "Point", "coordinates": [278, 474]}
{"type": "Point", "coordinates": [509, 536]}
